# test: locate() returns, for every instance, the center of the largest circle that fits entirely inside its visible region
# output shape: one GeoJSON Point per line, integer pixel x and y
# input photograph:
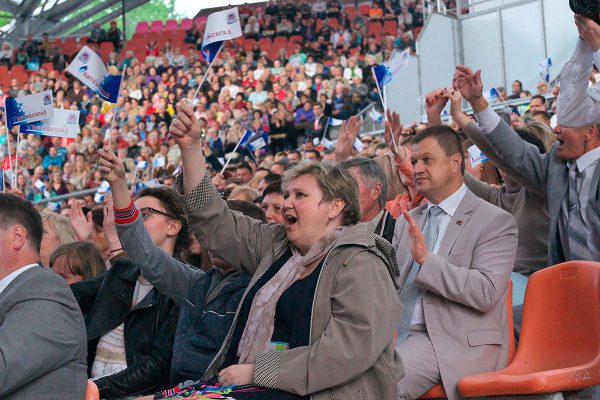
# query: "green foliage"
{"type": "Point", "coordinates": [152, 10]}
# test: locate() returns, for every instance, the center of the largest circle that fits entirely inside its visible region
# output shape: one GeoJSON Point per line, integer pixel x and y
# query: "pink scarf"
{"type": "Point", "coordinates": [261, 319]}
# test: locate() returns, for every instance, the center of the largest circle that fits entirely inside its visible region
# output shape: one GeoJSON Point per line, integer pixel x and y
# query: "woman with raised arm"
{"type": "Point", "coordinates": [318, 318]}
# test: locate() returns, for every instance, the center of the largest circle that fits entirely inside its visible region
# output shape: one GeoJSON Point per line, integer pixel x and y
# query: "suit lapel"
{"type": "Point", "coordinates": [404, 256]}
{"type": "Point", "coordinates": [457, 223]}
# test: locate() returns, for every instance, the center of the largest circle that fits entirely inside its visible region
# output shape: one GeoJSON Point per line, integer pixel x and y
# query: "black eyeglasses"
{"type": "Point", "coordinates": [147, 211]}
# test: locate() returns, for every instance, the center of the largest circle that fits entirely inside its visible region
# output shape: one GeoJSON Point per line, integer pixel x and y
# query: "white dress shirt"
{"type": "Point", "coordinates": [586, 165]}
{"type": "Point", "coordinates": [448, 206]}
{"type": "Point", "coordinates": [4, 282]}
{"type": "Point", "coordinates": [578, 104]}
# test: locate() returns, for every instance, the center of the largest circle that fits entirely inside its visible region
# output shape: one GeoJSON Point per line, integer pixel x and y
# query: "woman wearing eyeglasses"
{"type": "Point", "coordinates": [130, 324]}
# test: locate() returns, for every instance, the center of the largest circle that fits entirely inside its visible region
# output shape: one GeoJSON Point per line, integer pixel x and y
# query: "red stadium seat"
{"type": "Point", "coordinates": [157, 26]}
{"type": "Point", "coordinates": [265, 44]}
{"type": "Point", "coordinates": [3, 70]}
{"type": "Point", "coordinates": [248, 43]}
{"type": "Point", "coordinates": [364, 9]}
{"type": "Point", "coordinates": [559, 346]}
{"type": "Point", "coordinates": [438, 391]}
{"type": "Point", "coordinates": [142, 27]}
{"type": "Point", "coordinates": [296, 39]}
{"type": "Point", "coordinates": [374, 27]}
{"type": "Point", "coordinates": [390, 28]}
{"type": "Point", "coordinates": [279, 41]}
{"type": "Point", "coordinates": [171, 25]}
{"type": "Point", "coordinates": [351, 11]}
{"type": "Point", "coordinates": [333, 23]}
{"type": "Point", "coordinates": [186, 24]}
{"type": "Point", "coordinates": [48, 66]}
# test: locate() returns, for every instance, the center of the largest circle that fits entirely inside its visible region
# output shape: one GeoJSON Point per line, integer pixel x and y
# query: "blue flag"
{"type": "Point", "coordinates": [255, 141]}
{"type": "Point", "coordinates": [386, 71]}
{"type": "Point", "coordinates": [32, 108]}
{"type": "Point", "coordinates": [220, 26]}
{"type": "Point", "coordinates": [88, 67]}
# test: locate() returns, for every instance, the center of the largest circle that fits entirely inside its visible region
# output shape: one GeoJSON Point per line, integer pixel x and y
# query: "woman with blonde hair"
{"type": "Point", "coordinates": [244, 193]}
{"type": "Point", "coordinates": [57, 231]}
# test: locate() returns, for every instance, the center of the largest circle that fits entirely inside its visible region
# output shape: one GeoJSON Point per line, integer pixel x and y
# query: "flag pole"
{"type": "Point", "coordinates": [116, 105]}
{"type": "Point", "coordinates": [17, 155]}
{"type": "Point", "coordinates": [383, 97]}
{"type": "Point", "coordinates": [194, 103]}
{"type": "Point", "coordinates": [231, 154]}
{"type": "Point", "coordinates": [8, 146]}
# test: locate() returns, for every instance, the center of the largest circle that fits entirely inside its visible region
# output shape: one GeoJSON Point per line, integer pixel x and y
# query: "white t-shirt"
{"type": "Point", "coordinates": [110, 352]}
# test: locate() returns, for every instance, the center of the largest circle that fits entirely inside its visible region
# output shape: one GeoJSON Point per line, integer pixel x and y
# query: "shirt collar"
{"type": "Point", "coordinates": [451, 203]}
{"type": "Point", "coordinates": [4, 282]}
{"type": "Point", "coordinates": [589, 158]}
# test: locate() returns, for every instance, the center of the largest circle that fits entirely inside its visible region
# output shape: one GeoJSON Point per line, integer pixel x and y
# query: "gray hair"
{"type": "Point", "coordinates": [371, 173]}
{"type": "Point", "coordinates": [334, 182]}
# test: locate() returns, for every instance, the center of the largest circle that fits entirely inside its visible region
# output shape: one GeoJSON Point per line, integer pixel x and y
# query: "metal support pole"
{"type": "Point", "coordinates": [124, 22]}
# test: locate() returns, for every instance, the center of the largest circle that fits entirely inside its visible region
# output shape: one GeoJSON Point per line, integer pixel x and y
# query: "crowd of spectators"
{"type": "Point", "coordinates": [289, 98]}
{"type": "Point", "coordinates": [176, 285]}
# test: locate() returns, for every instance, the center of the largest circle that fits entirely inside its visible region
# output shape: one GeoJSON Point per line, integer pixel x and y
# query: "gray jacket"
{"type": "Point", "coordinates": [43, 344]}
{"type": "Point", "coordinates": [542, 174]}
{"type": "Point", "coordinates": [355, 308]}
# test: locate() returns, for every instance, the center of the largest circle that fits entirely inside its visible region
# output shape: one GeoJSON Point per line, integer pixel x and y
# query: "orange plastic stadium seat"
{"type": "Point", "coordinates": [142, 27]}
{"type": "Point", "coordinates": [438, 391]}
{"type": "Point", "coordinates": [92, 392]}
{"type": "Point", "coordinates": [559, 347]}
{"type": "Point", "coordinates": [171, 25]}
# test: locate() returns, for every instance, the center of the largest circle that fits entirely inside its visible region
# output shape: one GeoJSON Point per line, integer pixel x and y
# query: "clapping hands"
{"type": "Point", "coordinates": [348, 134]}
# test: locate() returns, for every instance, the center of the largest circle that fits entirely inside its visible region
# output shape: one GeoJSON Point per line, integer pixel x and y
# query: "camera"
{"type": "Point", "coordinates": [587, 8]}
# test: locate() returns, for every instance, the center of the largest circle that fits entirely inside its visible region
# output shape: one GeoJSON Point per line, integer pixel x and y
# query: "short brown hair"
{"type": "Point", "coordinates": [447, 138]}
{"type": "Point", "coordinates": [334, 182]}
{"type": "Point", "coordinates": [80, 258]}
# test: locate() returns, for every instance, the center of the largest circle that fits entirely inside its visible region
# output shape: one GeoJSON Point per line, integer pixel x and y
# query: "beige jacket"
{"type": "Point", "coordinates": [355, 308]}
{"type": "Point", "coordinates": [466, 282]}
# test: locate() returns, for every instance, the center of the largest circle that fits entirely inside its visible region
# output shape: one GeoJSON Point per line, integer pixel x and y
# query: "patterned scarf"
{"type": "Point", "coordinates": [261, 319]}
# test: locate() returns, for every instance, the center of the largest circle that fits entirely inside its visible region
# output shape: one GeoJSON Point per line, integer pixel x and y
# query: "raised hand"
{"type": "Point", "coordinates": [83, 227]}
{"type": "Point", "coordinates": [185, 129]}
{"type": "Point", "coordinates": [435, 102]}
{"type": "Point", "coordinates": [110, 230]}
{"type": "Point", "coordinates": [392, 133]}
{"type": "Point", "coordinates": [418, 246]}
{"type": "Point", "coordinates": [456, 107]}
{"type": "Point", "coordinates": [516, 121]}
{"type": "Point", "coordinates": [219, 181]}
{"type": "Point", "coordinates": [468, 83]}
{"type": "Point", "coordinates": [348, 134]}
{"type": "Point", "coordinates": [589, 31]}
{"type": "Point", "coordinates": [111, 166]}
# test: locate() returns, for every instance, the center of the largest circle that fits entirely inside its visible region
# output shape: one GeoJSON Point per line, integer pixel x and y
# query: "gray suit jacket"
{"type": "Point", "coordinates": [540, 173]}
{"type": "Point", "coordinates": [466, 283]}
{"type": "Point", "coordinates": [43, 344]}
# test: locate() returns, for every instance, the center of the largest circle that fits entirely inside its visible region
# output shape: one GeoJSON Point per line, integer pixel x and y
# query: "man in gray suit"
{"type": "Point", "coordinates": [455, 255]}
{"type": "Point", "coordinates": [43, 343]}
{"type": "Point", "coordinates": [569, 174]}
